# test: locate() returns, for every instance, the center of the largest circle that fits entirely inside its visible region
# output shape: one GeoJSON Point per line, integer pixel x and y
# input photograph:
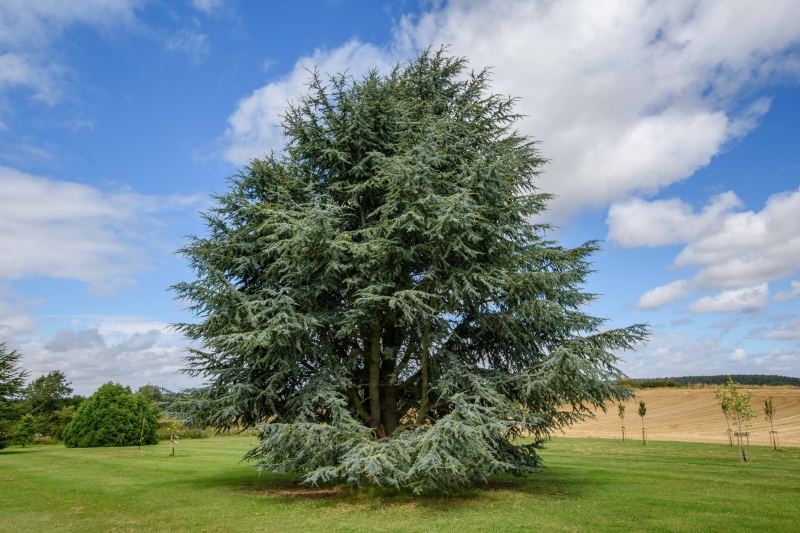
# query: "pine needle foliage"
{"type": "Point", "coordinates": [376, 300]}
{"type": "Point", "coordinates": [12, 380]}
{"type": "Point", "coordinates": [12, 374]}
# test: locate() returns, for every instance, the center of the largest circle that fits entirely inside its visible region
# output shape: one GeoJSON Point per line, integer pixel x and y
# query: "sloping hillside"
{"type": "Point", "coordinates": [694, 415]}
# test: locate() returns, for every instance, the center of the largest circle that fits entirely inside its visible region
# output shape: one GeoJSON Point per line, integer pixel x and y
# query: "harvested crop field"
{"type": "Point", "coordinates": [694, 415]}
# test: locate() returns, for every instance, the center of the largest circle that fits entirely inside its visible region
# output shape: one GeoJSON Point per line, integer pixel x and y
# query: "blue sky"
{"type": "Point", "coordinates": [673, 128]}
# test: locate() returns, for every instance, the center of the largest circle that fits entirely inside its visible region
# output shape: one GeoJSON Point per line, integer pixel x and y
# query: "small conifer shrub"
{"type": "Point", "coordinates": [112, 416]}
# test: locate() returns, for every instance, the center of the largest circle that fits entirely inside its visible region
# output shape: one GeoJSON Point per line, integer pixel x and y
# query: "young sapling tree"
{"type": "Point", "coordinates": [740, 409]}
{"type": "Point", "coordinates": [642, 412]}
{"type": "Point", "coordinates": [728, 423]}
{"type": "Point", "coordinates": [174, 429]}
{"type": "Point", "coordinates": [621, 407]}
{"type": "Point", "coordinates": [769, 414]}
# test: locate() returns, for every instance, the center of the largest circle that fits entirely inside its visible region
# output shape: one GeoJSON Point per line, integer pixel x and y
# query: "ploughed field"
{"type": "Point", "coordinates": [588, 485]}
{"type": "Point", "coordinates": [694, 415]}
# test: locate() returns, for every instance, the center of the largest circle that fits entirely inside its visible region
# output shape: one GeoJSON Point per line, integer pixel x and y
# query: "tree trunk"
{"type": "Point", "coordinates": [389, 415]}
{"type": "Point", "coordinates": [741, 439]}
{"type": "Point", "coordinates": [375, 379]}
{"type": "Point", "coordinates": [423, 363]}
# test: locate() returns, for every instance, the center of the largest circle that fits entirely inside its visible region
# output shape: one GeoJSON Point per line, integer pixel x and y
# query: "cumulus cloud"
{"type": "Point", "coordinates": [731, 249]}
{"type": "Point", "coordinates": [66, 340]}
{"type": "Point", "coordinates": [776, 362]}
{"type": "Point", "coordinates": [254, 128]}
{"type": "Point", "coordinates": [734, 300]}
{"type": "Point", "coordinates": [637, 222]}
{"type": "Point", "coordinates": [738, 355]}
{"type": "Point", "coordinates": [681, 355]}
{"type": "Point", "coordinates": [673, 355]}
{"type": "Point", "coordinates": [73, 231]}
{"type": "Point", "coordinates": [625, 95]}
{"type": "Point", "coordinates": [129, 350]}
{"type": "Point", "coordinates": [677, 290]}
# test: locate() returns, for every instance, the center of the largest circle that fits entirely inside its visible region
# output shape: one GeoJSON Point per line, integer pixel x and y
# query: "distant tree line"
{"type": "Point", "coordinates": [743, 379]}
{"type": "Point", "coordinates": [42, 410]}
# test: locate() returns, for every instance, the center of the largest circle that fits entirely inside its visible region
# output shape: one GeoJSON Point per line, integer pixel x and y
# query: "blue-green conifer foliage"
{"type": "Point", "coordinates": [112, 416]}
{"type": "Point", "coordinates": [376, 300]}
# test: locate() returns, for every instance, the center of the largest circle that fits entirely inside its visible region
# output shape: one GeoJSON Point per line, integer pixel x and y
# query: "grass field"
{"type": "Point", "coordinates": [589, 485]}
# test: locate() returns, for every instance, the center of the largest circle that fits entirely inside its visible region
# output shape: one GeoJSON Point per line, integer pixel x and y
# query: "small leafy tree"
{"type": "Point", "coordinates": [740, 409]}
{"type": "Point", "coordinates": [12, 380]}
{"type": "Point", "coordinates": [769, 414]}
{"type": "Point", "coordinates": [174, 431]}
{"type": "Point", "coordinates": [112, 416]}
{"type": "Point", "coordinates": [622, 418]}
{"type": "Point", "coordinates": [46, 397]}
{"type": "Point", "coordinates": [46, 394]}
{"type": "Point", "coordinates": [377, 301]}
{"type": "Point", "coordinates": [727, 414]}
{"type": "Point", "coordinates": [25, 430]}
{"type": "Point", "coordinates": [642, 412]}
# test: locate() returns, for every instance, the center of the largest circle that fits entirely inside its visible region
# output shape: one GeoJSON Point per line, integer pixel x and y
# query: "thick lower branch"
{"type": "Point", "coordinates": [358, 404]}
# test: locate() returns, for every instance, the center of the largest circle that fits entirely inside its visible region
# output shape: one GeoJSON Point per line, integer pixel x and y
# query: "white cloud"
{"type": "Point", "coordinates": [732, 250]}
{"type": "Point", "coordinates": [20, 70]}
{"type": "Point", "coordinates": [253, 129]}
{"type": "Point", "coordinates": [791, 294]}
{"type": "Point", "coordinates": [207, 6]}
{"type": "Point", "coordinates": [675, 355]}
{"type": "Point", "coordinates": [777, 362]}
{"type": "Point", "coordinates": [73, 231]}
{"type": "Point", "coordinates": [28, 29]}
{"type": "Point", "coordinates": [738, 355]}
{"type": "Point", "coordinates": [679, 355]}
{"type": "Point", "coordinates": [130, 350]}
{"type": "Point", "coordinates": [732, 300]}
{"type": "Point", "coordinates": [788, 332]}
{"type": "Point", "coordinates": [636, 222]}
{"type": "Point", "coordinates": [190, 42]}
{"type": "Point", "coordinates": [625, 95]}
{"type": "Point", "coordinates": [677, 290]}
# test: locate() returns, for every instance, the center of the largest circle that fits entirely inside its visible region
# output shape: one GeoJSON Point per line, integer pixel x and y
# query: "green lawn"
{"type": "Point", "coordinates": [589, 485]}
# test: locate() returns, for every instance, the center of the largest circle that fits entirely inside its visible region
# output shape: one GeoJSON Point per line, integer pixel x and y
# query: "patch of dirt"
{"type": "Point", "coordinates": [295, 490]}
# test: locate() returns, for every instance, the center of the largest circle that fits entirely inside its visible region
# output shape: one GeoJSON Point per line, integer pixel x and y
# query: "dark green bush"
{"type": "Point", "coordinates": [112, 416]}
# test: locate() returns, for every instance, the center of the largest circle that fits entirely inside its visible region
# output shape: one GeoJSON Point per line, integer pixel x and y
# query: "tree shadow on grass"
{"type": "Point", "coordinates": [291, 490]}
